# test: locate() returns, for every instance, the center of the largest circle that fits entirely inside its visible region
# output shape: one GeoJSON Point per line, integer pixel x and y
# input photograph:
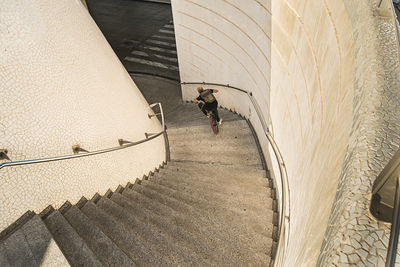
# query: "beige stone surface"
{"type": "Point", "coordinates": [309, 64]}
{"type": "Point", "coordinates": [61, 85]}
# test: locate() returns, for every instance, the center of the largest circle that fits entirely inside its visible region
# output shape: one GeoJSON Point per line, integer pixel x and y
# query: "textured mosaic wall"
{"type": "Point", "coordinates": [62, 85]}
{"type": "Point", "coordinates": [353, 235]}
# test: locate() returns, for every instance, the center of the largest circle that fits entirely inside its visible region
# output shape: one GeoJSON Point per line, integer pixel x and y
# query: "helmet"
{"type": "Point", "coordinates": [200, 89]}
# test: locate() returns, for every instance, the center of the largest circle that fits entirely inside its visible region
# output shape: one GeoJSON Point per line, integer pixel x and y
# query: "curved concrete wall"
{"type": "Point", "coordinates": [310, 64]}
{"type": "Point", "coordinates": [62, 85]}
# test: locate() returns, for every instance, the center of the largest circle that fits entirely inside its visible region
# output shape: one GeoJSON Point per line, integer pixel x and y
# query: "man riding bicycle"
{"type": "Point", "coordinates": [208, 102]}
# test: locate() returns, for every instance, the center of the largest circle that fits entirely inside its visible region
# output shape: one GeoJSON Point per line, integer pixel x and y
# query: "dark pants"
{"type": "Point", "coordinates": [213, 107]}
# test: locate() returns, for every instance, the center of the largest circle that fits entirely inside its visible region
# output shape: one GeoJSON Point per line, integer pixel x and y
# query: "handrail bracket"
{"type": "Point", "coordinates": [3, 154]}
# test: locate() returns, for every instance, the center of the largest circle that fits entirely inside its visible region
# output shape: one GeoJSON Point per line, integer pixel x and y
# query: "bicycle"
{"type": "Point", "coordinates": [213, 122]}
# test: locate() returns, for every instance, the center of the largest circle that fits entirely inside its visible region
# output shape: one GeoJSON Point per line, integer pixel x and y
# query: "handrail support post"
{"type": "Point", "coordinates": [153, 115]}
{"type": "Point", "coordinates": [394, 231]}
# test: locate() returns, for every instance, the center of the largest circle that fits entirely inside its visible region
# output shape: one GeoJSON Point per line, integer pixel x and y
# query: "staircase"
{"type": "Point", "coordinates": [210, 205]}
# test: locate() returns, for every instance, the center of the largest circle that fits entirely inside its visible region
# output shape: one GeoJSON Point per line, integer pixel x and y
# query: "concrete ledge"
{"type": "Point", "coordinates": [16, 225]}
{"type": "Point", "coordinates": [157, 1]}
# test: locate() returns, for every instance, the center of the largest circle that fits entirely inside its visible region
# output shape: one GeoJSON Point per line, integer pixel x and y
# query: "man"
{"type": "Point", "coordinates": [208, 102]}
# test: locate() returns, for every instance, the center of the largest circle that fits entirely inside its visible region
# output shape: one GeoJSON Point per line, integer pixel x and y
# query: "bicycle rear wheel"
{"type": "Point", "coordinates": [214, 124]}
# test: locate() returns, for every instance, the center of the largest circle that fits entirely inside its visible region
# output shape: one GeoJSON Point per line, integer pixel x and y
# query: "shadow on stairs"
{"type": "Point", "coordinates": [210, 205]}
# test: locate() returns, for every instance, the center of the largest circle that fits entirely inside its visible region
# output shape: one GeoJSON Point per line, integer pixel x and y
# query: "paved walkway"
{"type": "Point", "coordinates": [141, 34]}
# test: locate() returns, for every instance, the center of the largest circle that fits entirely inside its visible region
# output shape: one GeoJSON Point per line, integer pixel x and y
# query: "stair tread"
{"type": "Point", "coordinates": [214, 168]}
{"type": "Point", "coordinates": [18, 251]}
{"type": "Point", "coordinates": [218, 149]}
{"type": "Point", "coordinates": [230, 177]}
{"type": "Point", "coordinates": [177, 229]}
{"type": "Point", "coordinates": [106, 251]}
{"type": "Point", "coordinates": [236, 213]}
{"type": "Point", "coordinates": [142, 225]}
{"type": "Point", "coordinates": [227, 158]}
{"type": "Point", "coordinates": [3, 256]}
{"type": "Point", "coordinates": [129, 244]}
{"type": "Point", "coordinates": [255, 194]}
{"type": "Point", "coordinates": [34, 237]}
{"type": "Point", "coordinates": [212, 236]}
{"type": "Point", "coordinates": [236, 124]}
{"type": "Point", "coordinates": [199, 142]}
{"type": "Point", "coordinates": [189, 112]}
{"type": "Point", "coordinates": [205, 132]}
{"type": "Point", "coordinates": [242, 235]}
{"type": "Point", "coordinates": [71, 244]}
{"type": "Point", "coordinates": [184, 113]}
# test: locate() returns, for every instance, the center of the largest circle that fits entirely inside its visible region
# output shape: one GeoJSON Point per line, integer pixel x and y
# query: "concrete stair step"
{"type": "Point", "coordinates": [145, 225]}
{"type": "Point", "coordinates": [183, 116]}
{"type": "Point", "coordinates": [106, 251]}
{"type": "Point", "coordinates": [128, 243]}
{"type": "Point", "coordinates": [217, 148]}
{"type": "Point", "coordinates": [17, 250]}
{"type": "Point", "coordinates": [185, 107]}
{"type": "Point", "coordinates": [193, 109]}
{"type": "Point", "coordinates": [256, 198]}
{"type": "Point", "coordinates": [206, 133]}
{"type": "Point", "coordinates": [240, 125]}
{"type": "Point", "coordinates": [229, 125]}
{"type": "Point", "coordinates": [255, 184]}
{"type": "Point", "coordinates": [197, 119]}
{"type": "Point", "coordinates": [185, 230]}
{"type": "Point", "coordinates": [187, 182]}
{"type": "Point", "coordinates": [181, 111]}
{"type": "Point", "coordinates": [216, 234]}
{"type": "Point", "coordinates": [237, 212]}
{"type": "Point", "coordinates": [202, 121]}
{"type": "Point", "coordinates": [224, 175]}
{"type": "Point", "coordinates": [229, 231]}
{"type": "Point", "coordinates": [71, 244]}
{"type": "Point", "coordinates": [181, 119]}
{"type": "Point", "coordinates": [246, 141]}
{"type": "Point", "coordinates": [203, 130]}
{"type": "Point", "coordinates": [208, 140]}
{"type": "Point", "coordinates": [239, 158]}
{"type": "Point", "coordinates": [3, 256]}
{"type": "Point", "coordinates": [31, 244]}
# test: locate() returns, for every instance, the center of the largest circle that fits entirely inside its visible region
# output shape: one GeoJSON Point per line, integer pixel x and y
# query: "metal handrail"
{"type": "Point", "coordinates": [385, 203]}
{"type": "Point", "coordinates": [394, 230]}
{"type": "Point", "coordinates": [285, 207]}
{"type": "Point", "coordinates": [101, 151]}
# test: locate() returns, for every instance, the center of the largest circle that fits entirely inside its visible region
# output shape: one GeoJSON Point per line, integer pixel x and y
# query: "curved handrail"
{"type": "Point", "coordinates": [101, 151]}
{"type": "Point", "coordinates": [285, 207]}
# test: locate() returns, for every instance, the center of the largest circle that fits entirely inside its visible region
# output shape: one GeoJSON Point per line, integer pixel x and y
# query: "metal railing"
{"type": "Point", "coordinates": [284, 226]}
{"type": "Point", "coordinates": [385, 203]}
{"type": "Point", "coordinates": [122, 145]}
